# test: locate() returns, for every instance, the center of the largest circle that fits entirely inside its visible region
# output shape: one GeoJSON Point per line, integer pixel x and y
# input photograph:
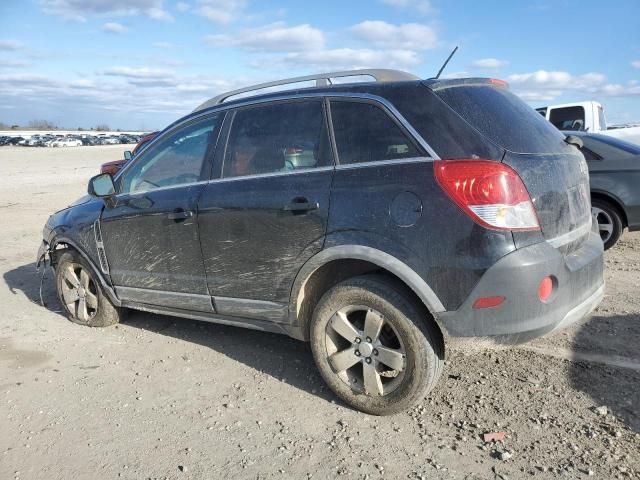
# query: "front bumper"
{"type": "Point", "coordinates": [42, 254]}
{"type": "Point", "coordinates": [517, 276]}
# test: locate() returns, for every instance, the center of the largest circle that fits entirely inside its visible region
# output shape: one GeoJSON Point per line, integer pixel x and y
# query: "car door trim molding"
{"type": "Point", "coordinates": [271, 174]}
{"type": "Point", "coordinates": [248, 308]}
{"type": "Point", "coordinates": [162, 298]}
{"type": "Point", "coordinates": [121, 196]}
{"type": "Point", "coordinates": [381, 163]}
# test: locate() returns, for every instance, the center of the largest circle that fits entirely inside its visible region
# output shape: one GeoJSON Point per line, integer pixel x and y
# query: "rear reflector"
{"type": "Point", "coordinates": [545, 289]}
{"type": "Point", "coordinates": [499, 83]}
{"type": "Point", "coordinates": [488, 302]}
{"type": "Point", "coordinates": [491, 193]}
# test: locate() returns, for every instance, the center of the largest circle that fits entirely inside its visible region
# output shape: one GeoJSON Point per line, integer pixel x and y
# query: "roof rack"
{"type": "Point", "coordinates": [322, 79]}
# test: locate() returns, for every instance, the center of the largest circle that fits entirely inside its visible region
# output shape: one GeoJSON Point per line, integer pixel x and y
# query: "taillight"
{"type": "Point", "coordinates": [491, 193]}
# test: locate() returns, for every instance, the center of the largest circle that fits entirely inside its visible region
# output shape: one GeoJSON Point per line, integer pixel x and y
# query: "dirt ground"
{"type": "Point", "coordinates": [163, 397]}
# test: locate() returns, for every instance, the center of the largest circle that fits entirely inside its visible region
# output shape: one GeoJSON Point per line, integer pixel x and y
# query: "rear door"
{"type": "Point", "coordinates": [266, 213]}
{"type": "Point", "coordinates": [150, 232]}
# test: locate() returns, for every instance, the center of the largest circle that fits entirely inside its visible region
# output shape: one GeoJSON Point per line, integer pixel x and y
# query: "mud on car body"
{"type": "Point", "coordinates": [415, 211]}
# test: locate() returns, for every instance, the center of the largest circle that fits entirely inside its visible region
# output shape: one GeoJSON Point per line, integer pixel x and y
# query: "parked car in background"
{"type": "Point", "coordinates": [114, 166]}
{"type": "Point", "coordinates": [587, 117]}
{"type": "Point", "coordinates": [614, 169]}
{"type": "Point", "coordinates": [456, 211]}
{"type": "Point", "coordinates": [65, 142]}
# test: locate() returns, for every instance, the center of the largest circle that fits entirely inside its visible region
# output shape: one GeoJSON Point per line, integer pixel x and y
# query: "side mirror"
{"type": "Point", "coordinates": [128, 155]}
{"type": "Point", "coordinates": [574, 140]}
{"type": "Point", "coordinates": [101, 186]}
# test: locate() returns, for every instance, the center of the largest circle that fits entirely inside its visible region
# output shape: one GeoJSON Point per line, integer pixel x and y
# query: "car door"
{"type": "Point", "coordinates": [150, 231]}
{"type": "Point", "coordinates": [266, 213]}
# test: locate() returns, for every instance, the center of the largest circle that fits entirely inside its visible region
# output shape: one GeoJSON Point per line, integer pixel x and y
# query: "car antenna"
{"type": "Point", "coordinates": [445, 63]}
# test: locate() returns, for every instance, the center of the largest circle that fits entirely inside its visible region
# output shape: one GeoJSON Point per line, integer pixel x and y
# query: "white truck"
{"type": "Point", "coordinates": [588, 117]}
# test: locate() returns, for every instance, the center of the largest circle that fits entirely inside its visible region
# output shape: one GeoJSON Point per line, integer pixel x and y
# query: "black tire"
{"type": "Point", "coordinates": [418, 337]}
{"type": "Point", "coordinates": [98, 310]}
{"type": "Point", "coordinates": [611, 214]}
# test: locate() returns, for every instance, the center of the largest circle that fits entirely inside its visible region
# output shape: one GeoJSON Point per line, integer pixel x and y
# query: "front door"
{"type": "Point", "coordinates": [150, 234]}
{"type": "Point", "coordinates": [267, 213]}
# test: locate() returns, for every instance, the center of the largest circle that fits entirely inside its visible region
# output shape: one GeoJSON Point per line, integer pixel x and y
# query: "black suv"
{"type": "Point", "coordinates": [375, 220]}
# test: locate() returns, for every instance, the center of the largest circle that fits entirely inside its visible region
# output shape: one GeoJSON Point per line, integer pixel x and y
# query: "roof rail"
{"type": "Point", "coordinates": [322, 79]}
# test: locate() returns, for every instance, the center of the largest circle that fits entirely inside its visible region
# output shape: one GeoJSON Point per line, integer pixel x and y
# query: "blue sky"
{"type": "Point", "coordinates": [140, 64]}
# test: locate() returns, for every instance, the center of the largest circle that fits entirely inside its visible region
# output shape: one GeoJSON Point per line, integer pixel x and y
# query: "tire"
{"type": "Point", "coordinates": [397, 367]}
{"type": "Point", "coordinates": [609, 221]}
{"type": "Point", "coordinates": [77, 282]}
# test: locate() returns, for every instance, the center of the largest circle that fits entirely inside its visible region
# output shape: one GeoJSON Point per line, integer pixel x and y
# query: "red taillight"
{"type": "Point", "coordinates": [491, 193]}
{"type": "Point", "coordinates": [488, 302]}
{"type": "Point", "coordinates": [545, 289]}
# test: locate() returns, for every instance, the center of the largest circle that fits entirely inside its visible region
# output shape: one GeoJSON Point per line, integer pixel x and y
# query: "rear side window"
{"type": "Point", "coordinates": [567, 118]}
{"type": "Point", "coordinates": [503, 118]}
{"type": "Point", "coordinates": [278, 137]}
{"type": "Point", "coordinates": [365, 133]}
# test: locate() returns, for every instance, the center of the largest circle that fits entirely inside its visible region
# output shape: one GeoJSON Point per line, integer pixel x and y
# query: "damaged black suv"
{"type": "Point", "coordinates": [375, 220]}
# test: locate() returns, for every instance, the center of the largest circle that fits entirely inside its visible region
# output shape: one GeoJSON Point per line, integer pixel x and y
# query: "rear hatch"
{"type": "Point", "coordinates": [554, 173]}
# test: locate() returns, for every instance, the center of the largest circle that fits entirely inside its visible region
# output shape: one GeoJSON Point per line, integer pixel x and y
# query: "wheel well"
{"type": "Point", "coordinates": [336, 271]}
{"type": "Point", "coordinates": [612, 201]}
{"type": "Point", "coordinates": [56, 249]}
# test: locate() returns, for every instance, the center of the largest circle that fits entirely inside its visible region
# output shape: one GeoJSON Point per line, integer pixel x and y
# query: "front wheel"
{"type": "Point", "coordinates": [80, 292]}
{"type": "Point", "coordinates": [375, 347]}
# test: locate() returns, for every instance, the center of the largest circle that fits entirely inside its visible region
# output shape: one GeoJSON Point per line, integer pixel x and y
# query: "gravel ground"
{"type": "Point", "coordinates": [162, 397]}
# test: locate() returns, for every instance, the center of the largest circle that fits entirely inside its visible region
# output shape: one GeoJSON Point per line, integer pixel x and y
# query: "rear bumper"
{"type": "Point", "coordinates": [517, 276]}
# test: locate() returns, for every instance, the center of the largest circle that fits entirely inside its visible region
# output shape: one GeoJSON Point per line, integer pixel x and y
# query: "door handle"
{"type": "Point", "coordinates": [301, 205]}
{"type": "Point", "coordinates": [180, 215]}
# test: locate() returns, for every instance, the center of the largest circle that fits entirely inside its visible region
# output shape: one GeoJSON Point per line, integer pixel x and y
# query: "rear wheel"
{"type": "Point", "coordinates": [374, 347]}
{"type": "Point", "coordinates": [609, 222]}
{"type": "Point", "coordinates": [80, 292]}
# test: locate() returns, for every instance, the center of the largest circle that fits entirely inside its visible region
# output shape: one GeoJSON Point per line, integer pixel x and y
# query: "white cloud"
{"type": "Point", "coordinates": [79, 9]}
{"type": "Point", "coordinates": [558, 80]}
{"type": "Point", "coordinates": [412, 36]}
{"type": "Point", "coordinates": [636, 64]}
{"type": "Point", "coordinates": [630, 89]}
{"type": "Point", "coordinates": [182, 6]}
{"type": "Point", "coordinates": [421, 6]}
{"type": "Point", "coordinates": [163, 45]}
{"type": "Point", "coordinates": [14, 63]}
{"type": "Point", "coordinates": [138, 72]}
{"type": "Point", "coordinates": [348, 58]}
{"type": "Point", "coordinates": [276, 37]}
{"type": "Point", "coordinates": [220, 11]}
{"type": "Point", "coordinates": [489, 63]}
{"type": "Point", "coordinates": [9, 44]}
{"type": "Point", "coordinates": [548, 85]}
{"type": "Point", "coordinates": [113, 27]}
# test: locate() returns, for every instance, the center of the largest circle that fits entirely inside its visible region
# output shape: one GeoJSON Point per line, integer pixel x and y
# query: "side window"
{"type": "Point", "coordinates": [174, 160]}
{"type": "Point", "coordinates": [567, 118]}
{"type": "Point", "coordinates": [278, 137]}
{"type": "Point", "coordinates": [365, 133]}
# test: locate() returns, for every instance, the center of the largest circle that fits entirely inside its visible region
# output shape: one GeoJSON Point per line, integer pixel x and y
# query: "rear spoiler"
{"type": "Point", "coordinates": [436, 85]}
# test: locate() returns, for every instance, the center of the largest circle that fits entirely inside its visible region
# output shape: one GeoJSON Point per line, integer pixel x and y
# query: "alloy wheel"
{"type": "Point", "coordinates": [605, 223]}
{"type": "Point", "coordinates": [365, 350]}
{"type": "Point", "coordinates": [79, 292]}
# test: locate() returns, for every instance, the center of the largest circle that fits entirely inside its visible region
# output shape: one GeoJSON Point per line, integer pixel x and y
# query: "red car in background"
{"type": "Point", "coordinates": [114, 166]}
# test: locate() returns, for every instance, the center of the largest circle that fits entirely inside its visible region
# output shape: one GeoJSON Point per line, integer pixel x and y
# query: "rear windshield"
{"type": "Point", "coordinates": [503, 118]}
